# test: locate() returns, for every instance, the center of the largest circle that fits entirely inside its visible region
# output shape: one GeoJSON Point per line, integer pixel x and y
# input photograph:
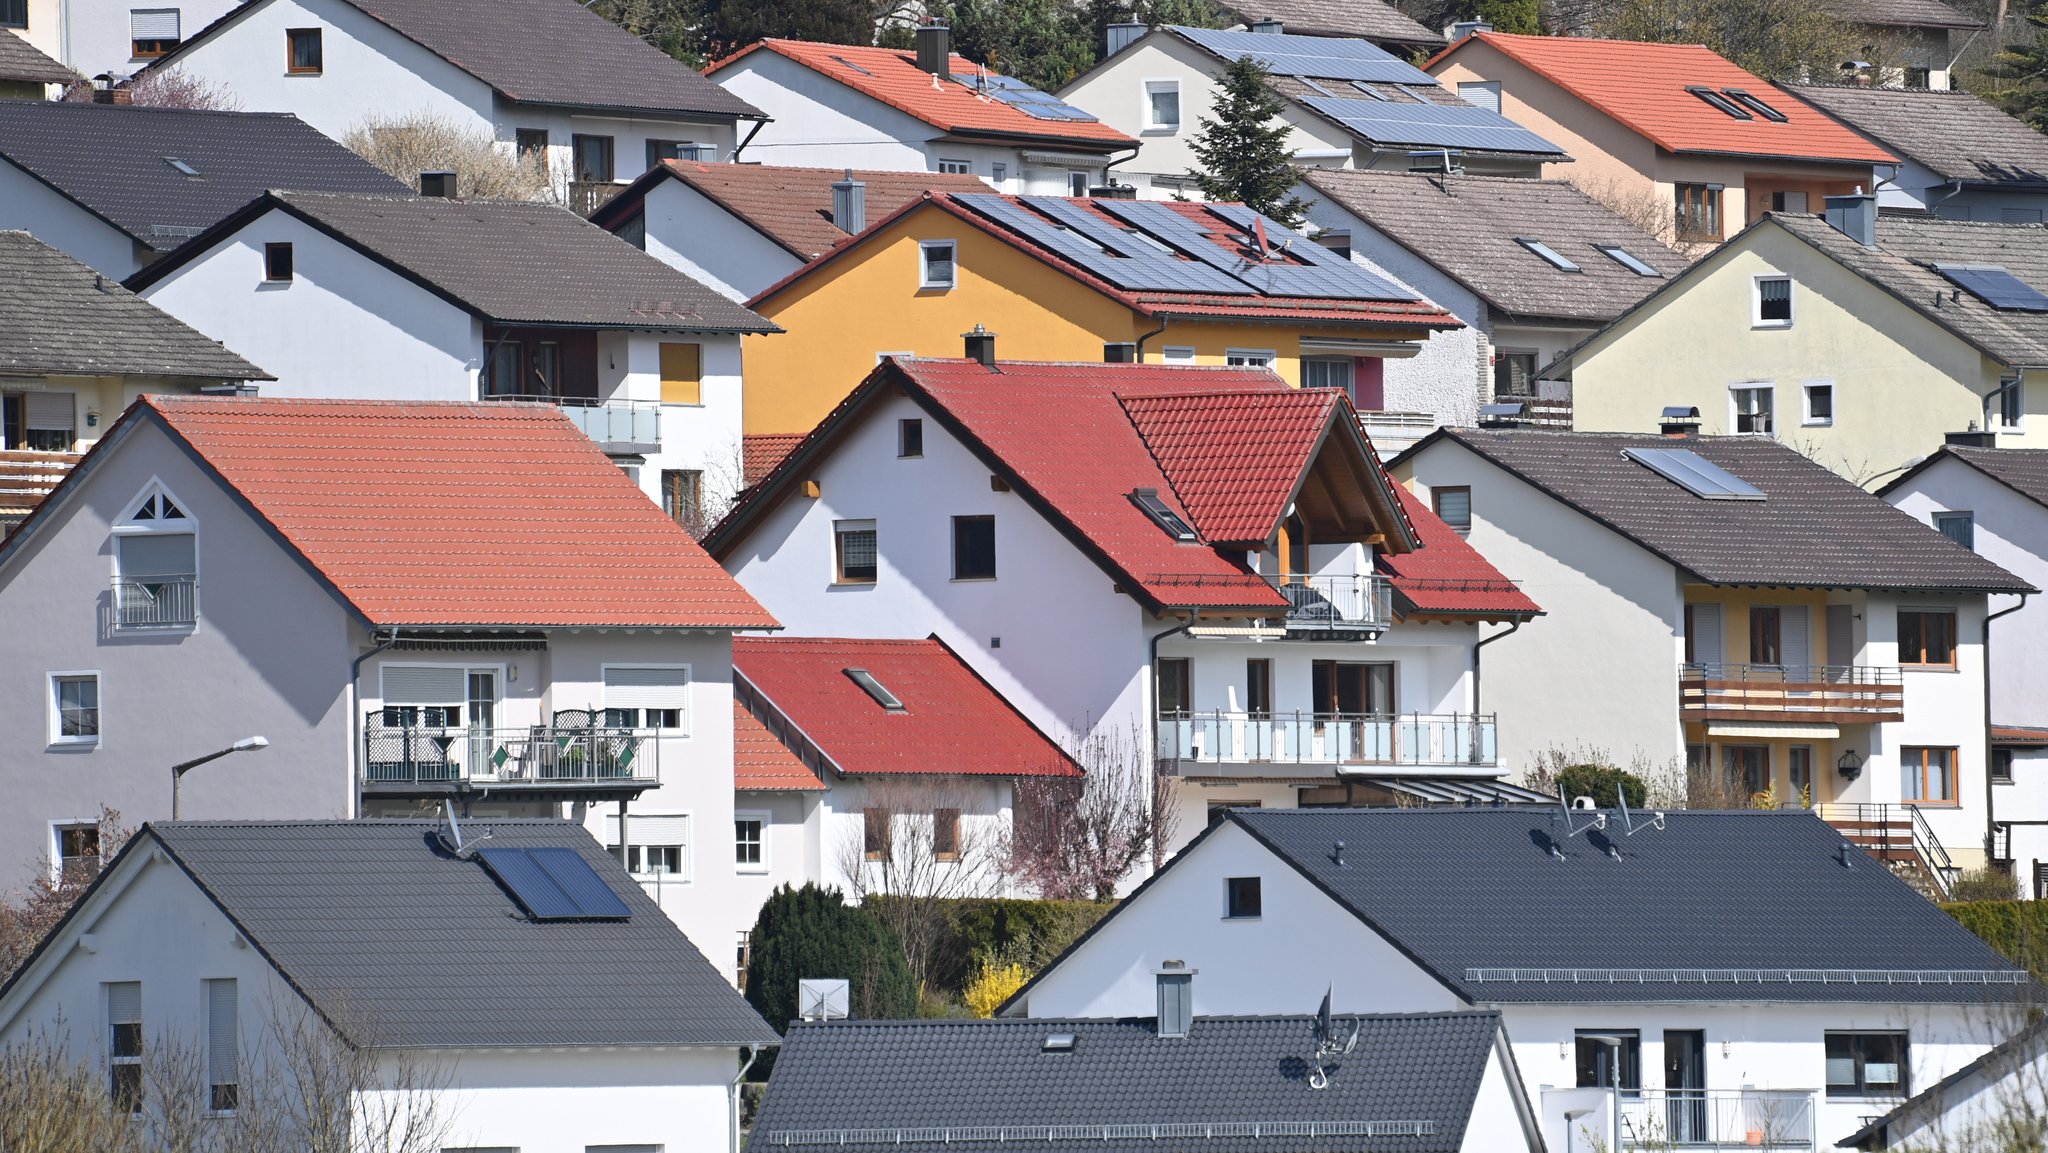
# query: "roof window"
{"type": "Point", "coordinates": [1694, 473]}
{"type": "Point", "coordinates": [1754, 104]}
{"type": "Point", "coordinates": [1148, 500]}
{"type": "Point", "coordinates": [852, 65]}
{"type": "Point", "coordinates": [1317, 87]}
{"type": "Point", "coordinates": [1627, 259]}
{"type": "Point", "coordinates": [1369, 90]}
{"type": "Point", "coordinates": [1555, 258]}
{"type": "Point", "coordinates": [181, 166]}
{"type": "Point", "coordinates": [1719, 101]}
{"type": "Point", "coordinates": [874, 688]}
{"type": "Point", "coordinates": [1995, 286]}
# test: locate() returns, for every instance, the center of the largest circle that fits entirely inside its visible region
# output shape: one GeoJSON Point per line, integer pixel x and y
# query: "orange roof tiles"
{"type": "Point", "coordinates": [1447, 576]}
{"type": "Point", "coordinates": [760, 452]}
{"type": "Point", "coordinates": [761, 762]}
{"type": "Point", "coordinates": [1200, 438]}
{"type": "Point", "coordinates": [461, 515]}
{"type": "Point", "coordinates": [891, 75]}
{"type": "Point", "coordinates": [1644, 86]}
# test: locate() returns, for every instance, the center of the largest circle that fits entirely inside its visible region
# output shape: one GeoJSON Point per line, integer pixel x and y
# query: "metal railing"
{"type": "Point", "coordinates": [1220, 737]}
{"type": "Point", "coordinates": [1717, 1118]}
{"type": "Point", "coordinates": [1821, 693]}
{"type": "Point", "coordinates": [536, 756]}
{"type": "Point", "coordinates": [618, 425]}
{"type": "Point", "coordinates": [1893, 833]}
{"type": "Point", "coordinates": [156, 602]}
{"type": "Point", "coordinates": [1359, 601]}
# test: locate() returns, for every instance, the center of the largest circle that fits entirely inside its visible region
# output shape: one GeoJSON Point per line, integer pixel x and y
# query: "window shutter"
{"type": "Point", "coordinates": [223, 1032]}
{"type": "Point", "coordinates": [1481, 94]}
{"type": "Point", "coordinates": [153, 23]}
{"type": "Point", "coordinates": [1841, 646]}
{"type": "Point", "coordinates": [158, 554]}
{"type": "Point", "coordinates": [425, 685]}
{"type": "Point", "coordinates": [1707, 647]}
{"type": "Point", "coordinates": [50, 411]}
{"type": "Point", "coordinates": [646, 688]}
{"type": "Point", "coordinates": [682, 373]}
{"type": "Point", "coordinates": [1795, 638]}
{"type": "Point", "coordinates": [650, 830]}
{"type": "Point", "coordinates": [124, 1002]}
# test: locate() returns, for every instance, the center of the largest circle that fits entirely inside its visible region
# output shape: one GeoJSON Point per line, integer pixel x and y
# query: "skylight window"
{"type": "Point", "coordinates": [1719, 101]}
{"type": "Point", "coordinates": [1995, 286]}
{"type": "Point", "coordinates": [1164, 517]}
{"type": "Point", "coordinates": [1694, 473]}
{"type": "Point", "coordinates": [1754, 104]}
{"type": "Point", "coordinates": [1555, 258]}
{"type": "Point", "coordinates": [181, 166]}
{"type": "Point", "coordinates": [1150, 240]}
{"type": "Point", "coordinates": [874, 688]}
{"type": "Point", "coordinates": [1627, 259]}
{"type": "Point", "coordinates": [1369, 90]}
{"type": "Point", "coordinates": [852, 65]}
{"type": "Point", "coordinates": [1317, 87]}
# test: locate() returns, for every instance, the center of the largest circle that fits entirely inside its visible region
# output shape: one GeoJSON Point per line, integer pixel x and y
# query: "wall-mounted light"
{"type": "Point", "coordinates": [92, 418]}
{"type": "Point", "coordinates": [1850, 766]}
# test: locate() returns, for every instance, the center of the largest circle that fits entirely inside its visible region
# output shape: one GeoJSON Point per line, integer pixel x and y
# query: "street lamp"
{"type": "Point", "coordinates": [178, 771]}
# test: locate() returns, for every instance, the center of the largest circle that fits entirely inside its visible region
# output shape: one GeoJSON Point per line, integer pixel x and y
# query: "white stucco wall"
{"type": "Point", "coordinates": [35, 208]}
{"type": "Point", "coordinates": [689, 232]}
{"type": "Point", "coordinates": [96, 34]}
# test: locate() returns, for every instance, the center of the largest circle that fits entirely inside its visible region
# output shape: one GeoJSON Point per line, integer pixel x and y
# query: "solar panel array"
{"type": "Point", "coordinates": [1081, 238]}
{"type": "Point", "coordinates": [554, 884]}
{"type": "Point", "coordinates": [1995, 286]}
{"type": "Point", "coordinates": [1463, 127]}
{"type": "Point", "coordinates": [1329, 58]}
{"type": "Point", "coordinates": [1325, 273]}
{"type": "Point", "coordinates": [1694, 473]}
{"type": "Point", "coordinates": [1032, 102]}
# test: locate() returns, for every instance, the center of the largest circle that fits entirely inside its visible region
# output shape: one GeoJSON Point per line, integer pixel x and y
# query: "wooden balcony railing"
{"type": "Point", "coordinates": [587, 196]}
{"type": "Point", "coordinates": [1817, 694]}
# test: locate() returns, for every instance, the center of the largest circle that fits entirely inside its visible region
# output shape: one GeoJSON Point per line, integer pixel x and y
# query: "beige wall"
{"type": "Point", "coordinates": [98, 401]}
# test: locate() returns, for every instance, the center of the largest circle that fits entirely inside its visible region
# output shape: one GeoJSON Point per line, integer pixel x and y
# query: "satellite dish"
{"type": "Point", "coordinates": [822, 998]}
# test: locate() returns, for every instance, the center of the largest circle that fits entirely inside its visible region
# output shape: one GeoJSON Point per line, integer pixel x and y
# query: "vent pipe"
{"type": "Point", "coordinates": [935, 49]}
{"type": "Point", "coordinates": [1679, 420]}
{"type": "Point", "coordinates": [849, 204]}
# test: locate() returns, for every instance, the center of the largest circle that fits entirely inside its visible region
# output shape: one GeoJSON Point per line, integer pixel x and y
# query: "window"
{"type": "Point", "coordinates": [1481, 93]}
{"type": "Point", "coordinates": [910, 437]}
{"type": "Point", "coordinates": [1799, 774]}
{"type": "Point", "coordinates": [1750, 408]}
{"type": "Point", "coordinates": [1927, 776]}
{"type": "Point", "coordinates": [1789, 201]}
{"type": "Point", "coordinates": [1719, 101]}
{"type": "Point", "coordinates": [853, 549]}
{"type": "Point", "coordinates": [1866, 1064]}
{"type": "Point", "coordinates": [653, 697]}
{"type": "Point", "coordinates": [531, 146]}
{"type": "Point", "coordinates": [302, 51]}
{"type": "Point", "coordinates": [682, 496]}
{"type": "Point", "coordinates": [13, 13]}
{"type": "Point", "coordinates": [152, 32]}
{"type": "Point", "coordinates": [659, 860]}
{"type": "Point", "coordinates": [1551, 256]}
{"type": "Point", "coordinates": [277, 261]}
{"type": "Point", "coordinates": [1918, 77]}
{"type": "Point", "coordinates": [1162, 105]}
{"type": "Point", "coordinates": [1173, 687]}
{"type": "Point", "coordinates": [1628, 260]}
{"type": "Point", "coordinates": [1772, 300]}
{"type": "Point", "coordinates": [946, 834]}
{"type": "Point", "coordinates": [1453, 505]}
{"type": "Point", "coordinates": [223, 1046]}
{"type": "Point", "coordinates": [1820, 404]}
{"type": "Point", "coordinates": [124, 1044]}
{"type": "Point", "coordinates": [1248, 357]}
{"type": "Point", "coordinates": [1960, 527]}
{"type": "Point", "coordinates": [75, 709]}
{"type": "Point", "coordinates": [1754, 103]}
{"type": "Point", "coordinates": [1077, 183]}
{"type": "Point", "coordinates": [156, 564]}
{"type": "Point", "coordinates": [1698, 211]}
{"type": "Point", "coordinates": [78, 852]}
{"type": "Point", "coordinates": [682, 373]}
{"type": "Point", "coordinates": [1258, 686]}
{"type": "Point", "coordinates": [1747, 767]}
{"type": "Point", "coordinates": [591, 158]}
{"type": "Point", "coordinates": [1241, 897]}
{"type": "Point", "coordinates": [1514, 373]}
{"type": "Point", "coordinates": [1765, 634]}
{"type": "Point", "coordinates": [659, 848]}
{"type": "Point", "coordinates": [1326, 372]}
{"type": "Point", "coordinates": [1337, 240]}
{"type": "Point", "coordinates": [1177, 354]}
{"type": "Point", "coordinates": [1927, 639]}
{"type": "Point", "coordinates": [2004, 407]}
{"type": "Point", "coordinates": [956, 167]}
{"type": "Point", "coordinates": [749, 842]}
{"type": "Point", "coordinates": [1609, 1059]}
{"type": "Point", "coordinates": [2001, 766]}
{"type": "Point", "coordinates": [974, 548]}
{"type": "Point", "coordinates": [935, 264]}
{"type": "Point", "coordinates": [874, 833]}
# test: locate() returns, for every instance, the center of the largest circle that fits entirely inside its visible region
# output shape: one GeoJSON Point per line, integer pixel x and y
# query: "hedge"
{"type": "Point", "coordinates": [2017, 929]}
{"type": "Point", "coordinates": [991, 930]}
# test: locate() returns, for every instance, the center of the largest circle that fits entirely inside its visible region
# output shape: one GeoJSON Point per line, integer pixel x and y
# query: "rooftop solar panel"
{"type": "Point", "coordinates": [1325, 273]}
{"type": "Point", "coordinates": [1694, 473]}
{"type": "Point", "coordinates": [1995, 286]}
{"type": "Point", "coordinates": [1463, 127]}
{"type": "Point", "coordinates": [553, 884]}
{"type": "Point", "coordinates": [1098, 247]}
{"type": "Point", "coordinates": [1328, 58]}
{"type": "Point", "coordinates": [568, 869]}
{"type": "Point", "coordinates": [1024, 98]}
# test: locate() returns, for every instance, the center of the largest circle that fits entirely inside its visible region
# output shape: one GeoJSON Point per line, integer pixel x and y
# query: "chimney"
{"type": "Point", "coordinates": [1268, 27]}
{"type": "Point", "coordinates": [935, 49]}
{"type": "Point", "coordinates": [1854, 216]}
{"type": "Point", "coordinates": [1679, 421]}
{"type": "Point", "coordinates": [1176, 986]}
{"type": "Point", "coordinates": [1122, 35]}
{"type": "Point", "coordinates": [106, 91]}
{"type": "Point", "coordinates": [981, 346]}
{"type": "Point", "coordinates": [438, 183]}
{"type": "Point", "coordinates": [1464, 28]}
{"type": "Point", "coordinates": [849, 204]}
{"type": "Point", "coordinates": [1123, 352]}
{"type": "Point", "coordinates": [1972, 437]}
{"type": "Point", "coordinates": [1507, 415]}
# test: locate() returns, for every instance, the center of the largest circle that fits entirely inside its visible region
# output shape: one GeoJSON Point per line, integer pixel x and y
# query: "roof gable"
{"type": "Point", "coordinates": [1446, 577]}
{"type": "Point", "coordinates": [2023, 470]}
{"type": "Point", "coordinates": [1954, 135]}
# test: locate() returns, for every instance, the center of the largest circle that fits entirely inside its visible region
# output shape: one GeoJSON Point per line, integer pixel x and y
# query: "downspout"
{"type": "Point", "coordinates": [742, 145]}
{"type": "Point", "coordinates": [1139, 351]}
{"type": "Point", "coordinates": [1955, 190]}
{"type": "Point", "coordinates": [1513, 627]}
{"type": "Point", "coordinates": [733, 1093]}
{"type": "Point", "coordinates": [1990, 790]}
{"type": "Point", "coordinates": [355, 736]}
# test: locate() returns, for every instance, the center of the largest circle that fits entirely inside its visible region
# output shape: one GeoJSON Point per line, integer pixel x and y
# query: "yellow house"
{"type": "Point", "coordinates": [1077, 280]}
{"type": "Point", "coordinates": [1857, 339]}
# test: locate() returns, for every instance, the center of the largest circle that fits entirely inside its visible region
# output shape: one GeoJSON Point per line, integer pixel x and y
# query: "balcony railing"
{"type": "Point", "coordinates": [1894, 833]}
{"type": "Point", "coordinates": [1717, 1119]}
{"type": "Point", "coordinates": [1360, 602]}
{"type": "Point", "coordinates": [587, 196]}
{"type": "Point", "coordinates": [616, 425]}
{"type": "Point", "coordinates": [529, 756]}
{"type": "Point", "coordinates": [1236, 738]}
{"type": "Point", "coordinates": [156, 602]}
{"type": "Point", "coordinates": [1820, 694]}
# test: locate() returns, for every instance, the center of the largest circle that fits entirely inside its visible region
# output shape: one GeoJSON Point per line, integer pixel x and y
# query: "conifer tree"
{"type": "Point", "coordinates": [1243, 148]}
{"type": "Point", "coordinates": [813, 932]}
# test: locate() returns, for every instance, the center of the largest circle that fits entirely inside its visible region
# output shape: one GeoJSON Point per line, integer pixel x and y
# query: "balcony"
{"type": "Point", "coordinates": [564, 759]}
{"type": "Point", "coordinates": [169, 601]}
{"type": "Point", "coordinates": [1811, 694]}
{"type": "Point", "coordinates": [1717, 1119]}
{"type": "Point", "coordinates": [618, 426]}
{"type": "Point", "coordinates": [1337, 606]}
{"type": "Point", "coordinates": [1204, 743]}
{"type": "Point", "coordinates": [587, 196]}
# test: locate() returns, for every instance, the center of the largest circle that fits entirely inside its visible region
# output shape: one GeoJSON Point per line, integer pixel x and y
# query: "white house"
{"type": "Point", "coordinates": [1992, 1100]}
{"type": "Point", "coordinates": [438, 975]}
{"type": "Point", "coordinates": [1202, 567]}
{"type": "Point", "coordinates": [1737, 620]}
{"type": "Point", "coordinates": [428, 298]}
{"type": "Point", "coordinates": [549, 80]}
{"type": "Point", "coordinates": [921, 110]}
{"type": "Point", "coordinates": [1714, 979]}
{"type": "Point", "coordinates": [1960, 158]}
{"type": "Point", "coordinates": [413, 602]}
{"type": "Point", "coordinates": [1347, 103]}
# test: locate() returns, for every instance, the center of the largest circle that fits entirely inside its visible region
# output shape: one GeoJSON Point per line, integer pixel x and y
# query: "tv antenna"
{"type": "Point", "coordinates": [450, 834]}
{"type": "Point", "coordinates": [1629, 825]}
{"type": "Point", "coordinates": [1331, 1043]}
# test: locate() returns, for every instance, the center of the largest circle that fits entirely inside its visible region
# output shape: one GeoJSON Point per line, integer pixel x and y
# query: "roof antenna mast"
{"type": "Point", "coordinates": [1629, 825]}
{"type": "Point", "coordinates": [450, 834]}
{"type": "Point", "coordinates": [1331, 1043]}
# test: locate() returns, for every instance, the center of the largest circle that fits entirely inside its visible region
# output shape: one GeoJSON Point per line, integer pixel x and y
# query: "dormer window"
{"type": "Point", "coordinates": [156, 564]}
{"type": "Point", "coordinates": [1148, 500]}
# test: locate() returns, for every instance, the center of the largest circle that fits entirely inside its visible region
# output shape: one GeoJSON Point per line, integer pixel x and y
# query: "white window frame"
{"type": "Point", "coordinates": [188, 526]}
{"type": "Point", "coordinates": [683, 731]}
{"type": "Point", "coordinates": [1756, 301]}
{"type": "Point", "coordinates": [766, 819]}
{"type": "Point", "coordinates": [56, 842]}
{"type": "Point", "coordinates": [1806, 417]}
{"type": "Point", "coordinates": [1147, 90]}
{"type": "Point", "coordinates": [686, 870]}
{"type": "Point", "coordinates": [1078, 182]}
{"type": "Point", "coordinates": [1178, 354]}
{"type": "Point", "coordinates": [924, 264]}
{"type": "Point", "coordinates": [1994, 408]}
{"type": "Point", "coordinates": [1741, 386]}
{"type": "Point", "coordinates": [952, 167]}
{"type": "Point", "coordinates": [1250, 357]}
{"type": "Point", "coordinates": [56, 720]}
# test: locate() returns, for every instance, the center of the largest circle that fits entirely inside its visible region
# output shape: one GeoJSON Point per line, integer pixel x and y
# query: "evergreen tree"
{"type": "Point", "coordinates": [1519, 16]}
{"type": "Point", "coordinates": [813, 932]}
{"type": "Point", "coordinates": [730, 25]}
{"type": "Point", "coordinates": [2021, 75]}
{"type": "Point", "coordinates": [1243, 148]}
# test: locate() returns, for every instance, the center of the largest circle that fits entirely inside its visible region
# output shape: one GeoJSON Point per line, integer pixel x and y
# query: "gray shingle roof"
{"type": "Point", "coordinates": [1368, 19]}
{"type": "Point", "coordinates": [1467, 226]}
{"type": "Point", "coordinates": [1813, 529]}
{"type": "Point", "coordinates": [1467, 889]}
{"type": "Point", "coordinates": [880, 1077]}
{"type": "Point", "coordinates": [24, 62]}
{"type": "Point", "coordinates": [63, 318]}
{"type": "Point", "coordinates": [376, 924]}
{"type": "Point", "coordinates": [110, 158]}
{"type": "Point", "coordinates": [2024, 470]}
{"type": "Point", "coordinates": [1953, 134]}
{"type": "Point", "coordinates": [1902, 13]}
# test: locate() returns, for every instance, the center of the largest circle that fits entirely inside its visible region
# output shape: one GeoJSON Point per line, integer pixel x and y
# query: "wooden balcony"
{"type": "Point", "coordinates": [587, 196]}
{"type": "Point", "coordinates": [26, 477]}
{"type": "Point", "coordinates": [1795, 694]}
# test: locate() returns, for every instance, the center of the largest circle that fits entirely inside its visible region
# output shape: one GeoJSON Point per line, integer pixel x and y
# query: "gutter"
{"type": "Point", "coordinates": [355, 712]}
{"type": "Point", "coordinates": [1990, 788]}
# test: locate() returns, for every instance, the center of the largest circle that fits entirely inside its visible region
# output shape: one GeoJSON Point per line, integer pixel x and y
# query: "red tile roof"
{"type": "Point", "coordinates": [439, 514]}
{"type": "Point", "coordinates": [1447, 576]}
{"type": "Point", "coordinates": [793, 206]}
{"type": "Point", "coordinates": [2026, 736]}
{"type": "Point", "coordinates": [760, 452]}
{"type": "Point", "coordinates": [1199, 440]}
{"type": "Point", "coordinates": [761, 762]}
{"type": "Point", "coordinates": [1644, 86]}
{"type": "Point", "coordinates": [891, 75]}
{"type": "Point", "coordinates": [951, 722]}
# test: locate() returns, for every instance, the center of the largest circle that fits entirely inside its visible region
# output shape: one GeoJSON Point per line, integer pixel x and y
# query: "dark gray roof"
{"type": "Point", "coordinates": [865, 1082]}
{"type": "Point", "coordinates": [1373, 20]}
{"type": "Point", "coordinates": [386, 932]}
{"type": "Point", "coordinates": [509, 261]}
{"type": "Point", "coordinates": [63, 318]}
{"type": "Point", "coordinates": [1762, 896]}
{"type": "Point", "coordinates": [1467, 226]}
{"type": "Point", "coordinates": [1953, 134]}
{"type": "Point", "coordinates": [110, 158]}
{"type": "Point", "coordinates": [25, 63]}
{"type": "Point", "coordinates": [2023, 470]}
{"type": "Point", "coordinates": [1902, 13]}
{"type": "Point", "coordinates": [1813, 529]}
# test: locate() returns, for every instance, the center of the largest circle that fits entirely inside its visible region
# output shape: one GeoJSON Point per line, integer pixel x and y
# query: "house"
{"type": "Point", "coordinates": [1347, 104]}
{"type": "Point", "coordinates": [109, 38]}
{"type": "Point", "coordinates": [482, 610]}
{"type": "Point", "coordinates": [117, 186]}
{"type": "Point", "coordinates": [742, 227]}
{"type": "Point", "coordinates": [80, 349]}
{"type": "Point", "coordinates": [428, 298]}
{"type": "Point", "coordinates": [1664, 132]}
{"type": "Point", "coordinates": [1094, 279]}
{"type": "Point", "coordinates": [1973, 1107]}
{"type": "Point", "coordinates": [1531, 266]}
{"type": "Point", "coordinates": [1960, 158]}
{"type": "Point", "coordinates": [1910, 43]}
{"type": "Point", "coordinates": [878, 766]}
{"type": "Point", "coordinates": [1374, 20]}
{"type": "Point", "coordinates": [216, 968]}
{"type": "Point", "coordinates": [1426, 1082]}
{"type": "Point", "coordinates": [1804, 987]}
{"type": "Point", "coordinates": [26, 72]}
{"type": "Point", "coordinates": [551, 81]}
{"type": "Point", "coordinates": [1859, 337]}
{"type": "Point", "coordinates": [1765, 626]}
{"type": "Point", "coordinates": [925, 109]}
{"type": "Point", "coordinates": [1191, 568]}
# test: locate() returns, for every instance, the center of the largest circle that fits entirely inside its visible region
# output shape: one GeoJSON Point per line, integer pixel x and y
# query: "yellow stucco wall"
{"type": "Point", "coordinates": [1735, 605]}
{"type": "Point", "coordinates": [1899, 381]}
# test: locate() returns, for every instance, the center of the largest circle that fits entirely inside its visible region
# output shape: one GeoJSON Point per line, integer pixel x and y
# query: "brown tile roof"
{"type": "Point", "coordinates": [2019, 736]}
{"type": "Point", "coordinates": [760, 452]}
{"type": "Point", "coordinates": [1952, 134]}
{"type": "Point", "coordinates": [25, 63]}
{"type": "Point", "coordinates": [1372, 20]}
{"type": "Point", "coordinates": [793, 206]}
{"type": "Point", "coordinates": [1902, 13]}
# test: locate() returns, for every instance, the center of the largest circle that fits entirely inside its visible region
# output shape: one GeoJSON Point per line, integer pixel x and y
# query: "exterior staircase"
{"type": "Point", "coordinates": [25, 479]}
{"type": "Point", "coordinates": [1898, 836]}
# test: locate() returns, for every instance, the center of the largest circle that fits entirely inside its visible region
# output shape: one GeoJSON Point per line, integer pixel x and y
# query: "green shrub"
{"type": "Point", "coordinates": [995, 931]}
{"type": "Point", "coordinates": [1985, 885]}
{"type": "Point", "coordinates": [1599, 781]}
{"type": "Point", "coordinates": [2017, 929]}
{"type": "Point", "coordinates": [813, 932]}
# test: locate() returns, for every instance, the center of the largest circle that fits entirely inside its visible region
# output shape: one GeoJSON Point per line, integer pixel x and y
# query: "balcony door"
{"type": "Point", "coordinates": [1685, 1085]}
{"type": "Point", "coordinates": [1353, 701]}
{"type": "Point", "coordinates": [1703, 636]}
